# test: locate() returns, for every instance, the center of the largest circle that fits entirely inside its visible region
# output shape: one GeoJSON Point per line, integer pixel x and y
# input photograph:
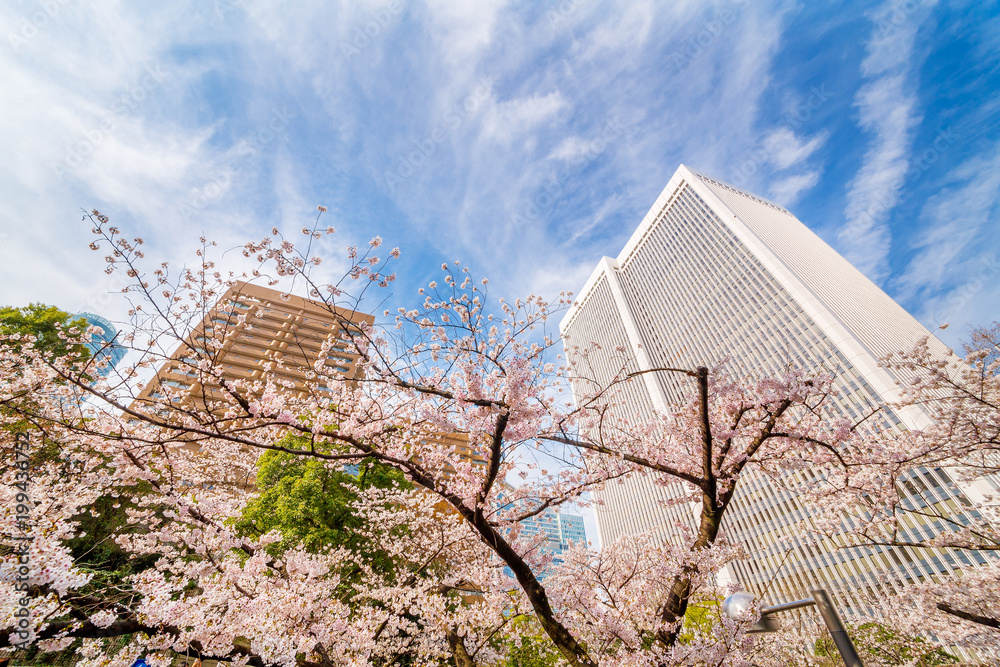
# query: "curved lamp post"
{"type": "Point", "coordinates": [739, 603]}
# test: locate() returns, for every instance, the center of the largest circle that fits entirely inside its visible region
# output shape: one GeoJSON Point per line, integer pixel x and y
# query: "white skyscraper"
{"type": "Point", "coordinates": [716, 273]}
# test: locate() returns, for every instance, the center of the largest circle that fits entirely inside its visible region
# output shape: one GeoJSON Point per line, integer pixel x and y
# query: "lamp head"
{"type": "Point", "coordinates": [738, 604]}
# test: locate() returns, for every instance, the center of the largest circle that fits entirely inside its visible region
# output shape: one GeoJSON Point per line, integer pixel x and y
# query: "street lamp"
{"type": "Point", "coordinates": [737, 604]}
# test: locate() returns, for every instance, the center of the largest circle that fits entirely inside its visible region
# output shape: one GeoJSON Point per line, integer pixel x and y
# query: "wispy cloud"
{"type": "Point", "coordinates": [626, 29]}
{"type": "Point", "coordinates": [956, 262]}
{"type": "Point", "coordinates": [780, 164]}
{"type": "Point", "coordinates": [788, 190]}
{"type": "Point", "coordinates": [576, 111]}
{"type": "Point", "coordinates": [94, 119]}
{"type": "Point", "coordinates": [596, 220]}
{"type": "Point", "coordinates": [464, 30]}
{"type": "Point", "coordinates": [513, 119]}
{"type": "Point", "coordinates": [786, 149]}
{"type": "Point", "coordinates": [888, 109]}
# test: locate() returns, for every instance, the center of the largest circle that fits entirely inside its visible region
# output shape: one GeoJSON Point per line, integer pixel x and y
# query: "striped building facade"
{"type": "Point", "coordinates": [714, 274]}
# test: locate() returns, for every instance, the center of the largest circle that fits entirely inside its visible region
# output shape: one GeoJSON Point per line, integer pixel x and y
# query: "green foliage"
{"type": "Point", "coordinates": [95, 549]}
{"type": "Point", "coordinates": [888, 646]}
{"type": "Point", "coordinates": [44, 323]}
{"type": "Point", "coordinates": [529, 646]}
{"type": "Point", "coordinates": [311, 504]}
{"type": "Point", "coordinates": [699, 620]}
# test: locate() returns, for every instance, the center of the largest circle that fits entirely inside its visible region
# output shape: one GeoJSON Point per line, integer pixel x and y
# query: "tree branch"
{"type": "Point", "coordinates": [969, 616]}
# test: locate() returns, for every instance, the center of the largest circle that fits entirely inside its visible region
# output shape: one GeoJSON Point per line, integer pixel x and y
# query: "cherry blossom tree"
{"type": "Point", "coordinates": [457, 362]}
{"type": "Point", "coordinates": [934, 489]}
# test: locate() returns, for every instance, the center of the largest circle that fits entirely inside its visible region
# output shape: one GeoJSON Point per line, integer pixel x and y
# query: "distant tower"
{"type": "Point", "coordinates": [103, 346]}
{"type": "Point", "coordinates": [558, 532]}
{"type": "Point", "coordinates": [561, 530]}
{"type": "Point", "coordinates": [715, 274]}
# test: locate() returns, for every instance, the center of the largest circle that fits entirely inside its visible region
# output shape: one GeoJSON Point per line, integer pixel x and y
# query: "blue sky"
{"type": "Point", "coordinates": [526, 139]}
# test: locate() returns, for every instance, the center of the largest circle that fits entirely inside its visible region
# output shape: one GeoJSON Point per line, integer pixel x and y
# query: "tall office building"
{"type": "Point", "coordinates": [715, 273]}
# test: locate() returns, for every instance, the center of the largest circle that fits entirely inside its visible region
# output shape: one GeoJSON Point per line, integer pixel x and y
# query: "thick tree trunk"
{"type": "Point", "coordinates": [458, 650]}
{"type": "Point", "coordinates": [673, 610]}
{"type": "Point", "coordinates": [676, 605]}
{"type": "Point", "coordinates": [567, 644]}
{"type": "Point", "coordinates": [575, 654]}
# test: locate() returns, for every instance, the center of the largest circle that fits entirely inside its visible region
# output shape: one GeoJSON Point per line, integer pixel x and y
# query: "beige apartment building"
{"type": "Point", "coordinates": [284, 333]}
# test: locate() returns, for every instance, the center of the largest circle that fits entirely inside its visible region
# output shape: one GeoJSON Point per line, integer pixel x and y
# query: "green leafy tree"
{"type": "Point", "coordinates": [884, 645]}
{"type": "Point", "coordinates": [527, 645]}
{"type": "Point", "coordinates": [310, 503]}
{"type": "Point", "coordinates": [46, 324]}
{"type": "Point", "coordinates": [48, 327]}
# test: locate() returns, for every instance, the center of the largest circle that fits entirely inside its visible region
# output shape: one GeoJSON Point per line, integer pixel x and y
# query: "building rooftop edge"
{"type": "Point", "coordinates": [682, 173]}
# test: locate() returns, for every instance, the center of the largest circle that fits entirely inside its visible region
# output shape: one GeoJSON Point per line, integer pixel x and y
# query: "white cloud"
{"type": "Point", "coordinates": [463, 30]}
{"type": "Point", "coordinates": [556, 84]}
{"type": "Point", "coordinates": [961, 227]}
{"type": "Point", "coordinates": [888, 110]}
{"type": "Point", "coordinates": [167, 170]}
{"type": "Point", "coordinates": [788, 190]}
{"type": "Point", "coordinates": [510, 120]}
{"type": "Point", "coordinates": [86, 94]}
{"type": "Point", "coordinates": [569, 148]}
{"type": "Point", "coordinates": [661, 118]}
{"type": "Point", "coordinates": [786, 149]}
{"type": "Point", "coordinates": [625, 30]}
{"type": "Point", "coordinates": [109, 116]}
